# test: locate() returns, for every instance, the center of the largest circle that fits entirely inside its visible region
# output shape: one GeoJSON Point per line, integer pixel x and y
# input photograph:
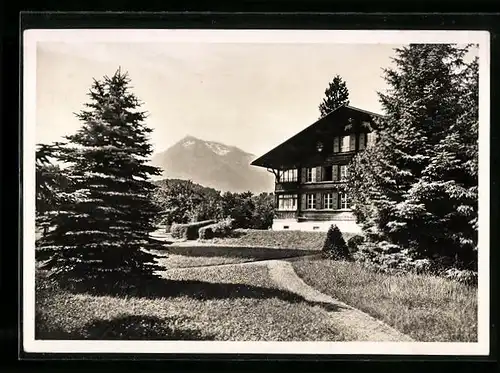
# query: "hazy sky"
{"type": "Point", "coordinates": [253, 96]}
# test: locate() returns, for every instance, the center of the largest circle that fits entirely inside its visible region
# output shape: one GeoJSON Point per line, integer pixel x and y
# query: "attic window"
{"type": "Point", "coordinates": [345, 144]}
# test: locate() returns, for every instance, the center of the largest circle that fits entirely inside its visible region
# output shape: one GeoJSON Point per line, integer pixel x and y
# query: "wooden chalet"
{"type": "Point", "coordinates": [311, 167]}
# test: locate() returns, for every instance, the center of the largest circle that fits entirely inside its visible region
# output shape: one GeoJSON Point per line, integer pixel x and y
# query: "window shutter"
{"type": "Point", "coordinates": [335, 200]}
{"type": "Point", "coordinates": [303, 202]}
{"type": "Point", "coordinates": [335, 172]}
{"type": "Point", "coordinates": [318, 200]}
{"type": "Point", "coordinates": [362, 141]}
{"type": "Point", "coordinates": [303, 175]}
{"type": "Point", "coordinates": [318, 174]}
{"type": "Point", "coordinates": [352, 145]}
{"type": "Point", "coordinates": [336, 145]}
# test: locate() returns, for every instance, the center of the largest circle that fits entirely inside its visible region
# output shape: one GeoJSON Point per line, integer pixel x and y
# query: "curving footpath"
{"type": "Point", "coordinates": [361, 326]}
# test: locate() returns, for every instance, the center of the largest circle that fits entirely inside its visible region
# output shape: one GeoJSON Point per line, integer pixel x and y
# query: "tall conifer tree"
{"type": "Point", "coordinates": [102, 225]}
{"type": "Point", "coordinates": [395, 183]}
{"type": "Point", "coordinates": [336, 95]}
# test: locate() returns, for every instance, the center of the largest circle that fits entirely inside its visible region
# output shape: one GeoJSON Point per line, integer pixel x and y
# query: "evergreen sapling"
{"type": "Point", "coordinates": [335, 246]}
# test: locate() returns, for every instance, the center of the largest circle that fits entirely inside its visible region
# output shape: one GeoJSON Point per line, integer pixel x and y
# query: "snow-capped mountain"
{"type": "Point", "coordinates": [213, 164]}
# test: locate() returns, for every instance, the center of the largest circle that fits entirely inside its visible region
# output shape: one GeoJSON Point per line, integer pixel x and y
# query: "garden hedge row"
{"type": "Point", "coordinates": [188, 231]}
{"type": "Point", "coordinates": [219, 230]}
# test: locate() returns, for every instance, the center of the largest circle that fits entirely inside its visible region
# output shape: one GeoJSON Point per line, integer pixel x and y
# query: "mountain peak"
{"type": "Point", "coordinates": [213, 164]}
{"type": "Point", "coordinates": [188, 141]}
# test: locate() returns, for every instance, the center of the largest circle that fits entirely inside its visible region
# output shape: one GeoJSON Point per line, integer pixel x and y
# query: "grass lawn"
{"type": "Point", "coordinates": [428, 309]}
{"type": "Point", "coordinates": [298, 240]}
{"type": "Point", "coordinates": [183, 261]}
{"type": "Point", "coordinates": [217, 303]}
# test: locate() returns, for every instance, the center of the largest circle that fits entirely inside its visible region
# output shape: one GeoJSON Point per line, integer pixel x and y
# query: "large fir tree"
{"type": "Point", "coordinates": [415, 187]}
{"type": "Point", "coordinates": [336, 96]}
{"type": "Point", "coordinates": [102, 225]}
{"type": "Point", "coordinates": [50, 179]}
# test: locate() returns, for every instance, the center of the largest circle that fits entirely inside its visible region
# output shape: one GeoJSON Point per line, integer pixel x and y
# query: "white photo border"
{"type": "Point", "coordinates": [30, 39]}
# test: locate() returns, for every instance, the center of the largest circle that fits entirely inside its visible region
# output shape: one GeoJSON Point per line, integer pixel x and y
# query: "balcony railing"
{"type": "Point", "coordinates": [282, 214]}
{"type": "Point", "coordinates": [286, 185]}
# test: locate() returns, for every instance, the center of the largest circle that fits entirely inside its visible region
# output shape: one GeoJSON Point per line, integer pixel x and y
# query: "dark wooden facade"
{"type": "Point", "coordinates": [317, 148]}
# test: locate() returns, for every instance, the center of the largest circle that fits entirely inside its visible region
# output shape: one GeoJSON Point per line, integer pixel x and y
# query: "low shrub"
{"type": "Point", "coordinates": [335, 246]}
{"type": "Point", "coordinates": [188, 231]}
{"type": "Point", "coordinates": [354, 242]}
{"type": "Point", "coordinates": [220, 229]}
{"type": "Point", "coordinates": [388, 258]}
{"type": "Point", "coordinates": [466, 277]}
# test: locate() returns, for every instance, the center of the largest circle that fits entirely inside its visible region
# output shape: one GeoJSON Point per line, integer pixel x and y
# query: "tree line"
{"type": "Point", "coordinates": [182, 201]}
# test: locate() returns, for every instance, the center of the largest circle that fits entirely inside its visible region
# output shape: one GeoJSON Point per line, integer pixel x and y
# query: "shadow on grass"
{"type": "Point", "coordinates": [257, 253]}
{"type": "Point", "coordinates": [131, 327]}
{"type": "Point", "coordinates": [154, 287]}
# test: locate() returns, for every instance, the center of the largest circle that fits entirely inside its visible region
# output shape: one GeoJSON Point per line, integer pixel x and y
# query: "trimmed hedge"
{"type": "Point", "coordinates": [188, 231]}
{"type": "Point", "coordinates": [217, 230]}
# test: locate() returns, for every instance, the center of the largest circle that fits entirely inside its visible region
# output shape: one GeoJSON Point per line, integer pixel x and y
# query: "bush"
{"type": "Point", "coordinates": [385, 258]}
{"type": "Point", "coordinates": [466, 277]}
{"type": "Point", "coordinates": [335, 246]}
{"type": "Point", "coordinates": [188, 231]}
{"type": "Point", "coordinates": [354, 242]}
{"type": "Point", "coordinates": [217, 230]}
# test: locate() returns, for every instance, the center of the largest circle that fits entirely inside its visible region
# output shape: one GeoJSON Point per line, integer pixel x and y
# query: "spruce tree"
{"type": "Point", "coordinates": [336, 96]}
{"type": "Point", "coordinates": [334, 246]}
{"type": "Point", "coordinates": [449, 185]}
{"type": "Point", "coordinates": [394, 183]}
{"type": "Point", "coordinates": [50, 184]}
{"type": "Point", "coordinates": [49, 179]}
{"type": "Point", "coordinates": [102, 223]}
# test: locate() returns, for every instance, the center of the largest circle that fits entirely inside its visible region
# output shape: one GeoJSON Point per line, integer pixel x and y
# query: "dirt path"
{"type": "Point", "coordinates": [360, 326]}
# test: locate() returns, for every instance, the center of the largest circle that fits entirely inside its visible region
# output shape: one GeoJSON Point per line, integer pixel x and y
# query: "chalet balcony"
{"type": "Point", "coordinates": [287, 186]}
{"type": "Point", "coordinates": [286, 214]}
{"type": "Point", "coordinates": [321, 185]}
{"type": "Point", "coordinates": [325, 215]}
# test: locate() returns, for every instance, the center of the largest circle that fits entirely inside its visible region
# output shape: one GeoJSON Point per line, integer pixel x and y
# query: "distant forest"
{"type": "Point", "coordinates": [183, 201]}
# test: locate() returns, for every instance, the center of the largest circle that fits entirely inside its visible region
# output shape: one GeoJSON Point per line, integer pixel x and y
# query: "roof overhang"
{"type": "Point", "coordinates": [292, 152]}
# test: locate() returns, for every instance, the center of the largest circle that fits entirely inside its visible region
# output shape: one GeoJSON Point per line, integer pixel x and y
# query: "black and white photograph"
{"type": "Point", "coordinates": [256, 191]}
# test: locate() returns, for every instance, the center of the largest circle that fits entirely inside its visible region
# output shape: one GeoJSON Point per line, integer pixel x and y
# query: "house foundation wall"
{"type": "Point", "coordinates": [345, 226]}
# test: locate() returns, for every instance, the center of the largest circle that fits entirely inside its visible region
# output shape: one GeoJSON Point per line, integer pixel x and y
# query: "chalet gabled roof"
{"type": "Point", "coordinates": [289, 153]}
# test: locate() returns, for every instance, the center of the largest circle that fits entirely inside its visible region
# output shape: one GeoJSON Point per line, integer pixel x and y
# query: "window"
{"type": "Point", "coordinates": [345, 144]}
{"type": "Point", "coordinates": [328, 201]}
{"type": "Point", "coordinates": [344, 201]}
{"type": "Point", "coordinates": [343, 172]}
{"type": "Point", "coordinates": [370, 139]}
{"type": "Point", "coordinates": [362, 141]}
{"type": "Point", "coordinates": [287, 202]}
{"type": "Point", "coordinates": [289, 175]}
{"type": "Point", "coordinates": [311, 201]}
{"type": "Point", "coordinates": [327, 173]}
{"type": "Point", "coordinates": [311, 175]}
